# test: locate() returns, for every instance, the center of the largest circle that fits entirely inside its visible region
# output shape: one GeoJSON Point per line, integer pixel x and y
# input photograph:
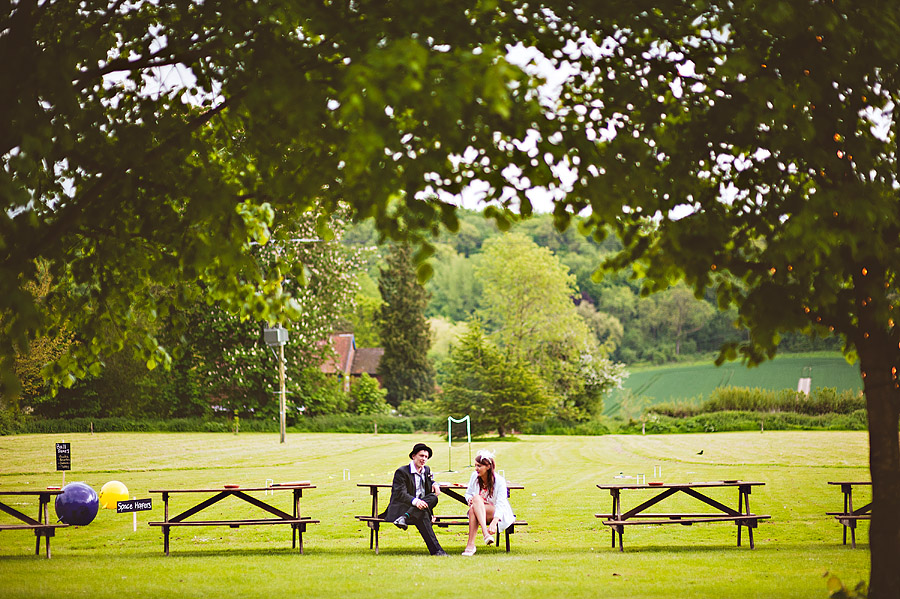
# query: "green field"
{"type": "Point", "coordinates": [563, 552]}
{"type": "Point", "coordinates": [683, 382]}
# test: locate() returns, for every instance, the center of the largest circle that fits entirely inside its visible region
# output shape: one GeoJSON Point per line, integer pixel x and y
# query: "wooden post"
{"type": "Point", "coordinates": [282, 402]}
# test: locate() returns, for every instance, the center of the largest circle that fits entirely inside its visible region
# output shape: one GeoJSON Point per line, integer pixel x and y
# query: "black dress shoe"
{"type": "Point", "coordinates": [440, 552]}
{"type": "Point", "coordinates": [401, 523]}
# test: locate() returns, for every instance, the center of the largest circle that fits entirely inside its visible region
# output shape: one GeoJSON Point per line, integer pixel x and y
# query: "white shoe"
{"type": "Point", "coordinates": [488, 540]}
{"type": "Point", "coordinates": [469, 552]}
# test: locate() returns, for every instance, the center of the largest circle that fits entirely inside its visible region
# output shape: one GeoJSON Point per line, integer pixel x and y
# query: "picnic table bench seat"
{"type": "Point", "coordinates": [375, 523]}
{"type": "Point", "coordinates": [685, 520]}
{"type": "Point", "coordinates": [239, 523]}
{"type": "Point", "coordinates": [35, 527]}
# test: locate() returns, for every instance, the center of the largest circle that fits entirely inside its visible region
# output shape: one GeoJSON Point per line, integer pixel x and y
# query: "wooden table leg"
{"type": "Point", "coordinates": [37, 532]}
{"type": "Point", "coordinates": [616, 508]}
{"type": "Point", "coordinates": [298, 493]}
{"type": "Point", "coordinates": [373, 530]}
{"type": "Point", "coordinates": [852, 523]}
{"type": "Point", "coordinates": [848, 490]}
{"type": "Point", "coordinates": [166, 519]}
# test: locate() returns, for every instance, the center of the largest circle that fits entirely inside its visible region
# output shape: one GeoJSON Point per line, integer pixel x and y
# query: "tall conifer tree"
{"type": "Point", "coordinates": [405, 369]}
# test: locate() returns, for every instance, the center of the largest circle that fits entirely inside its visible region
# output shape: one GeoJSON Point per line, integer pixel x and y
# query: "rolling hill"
{"type": "Point", "coordinates": [684, 382]}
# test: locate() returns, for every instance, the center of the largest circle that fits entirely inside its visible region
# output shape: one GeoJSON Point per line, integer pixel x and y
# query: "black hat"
{"type": "Point", "coordinates": [419, 447]}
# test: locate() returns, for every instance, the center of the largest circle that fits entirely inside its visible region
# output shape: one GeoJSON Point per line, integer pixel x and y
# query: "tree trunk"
{"type": "Point", "coordinates": [883, 409]}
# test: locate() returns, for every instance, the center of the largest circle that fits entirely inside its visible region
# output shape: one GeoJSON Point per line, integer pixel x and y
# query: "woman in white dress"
{"type": "Point", "coordinates": [488, 500]}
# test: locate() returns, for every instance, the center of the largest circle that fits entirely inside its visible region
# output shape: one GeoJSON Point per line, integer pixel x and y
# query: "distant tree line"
{"type": "Point", "coordinates": [664, 327]}
{"type": "Point", "coordinates": [549, 336]}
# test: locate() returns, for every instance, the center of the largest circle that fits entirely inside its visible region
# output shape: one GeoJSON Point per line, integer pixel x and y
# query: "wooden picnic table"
{"type": "Point", "coordinates": [850, 516]}
{"type": "Point", "coordinates": [41, 526]}
{"type": "Point", "coordinates": [297, 522]}
{"type": "Point", "coordinates": [618, 519]}
{"type": "Point", "coordinates": [453, 490]}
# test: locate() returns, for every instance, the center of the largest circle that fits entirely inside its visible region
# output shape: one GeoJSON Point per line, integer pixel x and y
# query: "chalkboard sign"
{"type": "Point", "coordinates": [133, 505]}
{"type": "Point", "coordinates": [63, 456]}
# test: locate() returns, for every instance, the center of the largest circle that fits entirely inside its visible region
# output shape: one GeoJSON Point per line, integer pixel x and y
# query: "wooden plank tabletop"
{"type": "Point", "coordinates": [697, 485]}
{"type": "Point", "coordinates": [233, 489]}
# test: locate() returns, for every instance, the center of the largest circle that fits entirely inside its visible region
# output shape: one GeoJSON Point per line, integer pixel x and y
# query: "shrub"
{"type": "Point", "coordinates": [355, 423]}
{"type": "Point", "coordinates": [820, 401]}
{"type": "Point", "coordinates": [552, 426]}
{"type": "Point", "coordinates": [711, 422]}
{"type": "Point", "coordinates": [10, 421]}
{"type": "Point", "coordinates": [367, 396]}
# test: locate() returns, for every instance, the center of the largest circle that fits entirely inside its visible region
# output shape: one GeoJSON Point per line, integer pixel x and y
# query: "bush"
{"type": "Point", "coordinates": [820, 401]}
{"type": "Point", "coordinates": [31, 425]}
{"type": "Point", "coordinates": [333, 423]}
{"type": "Point", "coordinates": [318, 394]}
{"type": "Point", "coordinates": [552, 426]}
{"type": "Point", "coordinates": [355, 423]}
{"type": "Point", "coordinates": [732, 421]}
{"type": "Point", "coordinates": [10, 421]}
{"type": "Point", "coordinates": [367, 396]}
{"type": "Point", "coordinates": [418, 407]}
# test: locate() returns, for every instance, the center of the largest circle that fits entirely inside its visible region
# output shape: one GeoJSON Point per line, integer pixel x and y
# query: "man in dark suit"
{"type": "Point", "coordinates": [413, 497]}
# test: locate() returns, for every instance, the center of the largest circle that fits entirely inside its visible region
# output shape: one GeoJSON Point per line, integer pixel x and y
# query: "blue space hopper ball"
{"type": "Point", "coordinates": [77, 504]}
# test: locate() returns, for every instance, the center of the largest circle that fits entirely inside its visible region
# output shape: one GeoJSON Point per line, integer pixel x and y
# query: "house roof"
{"type": "Point", "coordinates": [367, 360]}
{"type": "Point", "coordinates": [344, 346]}
{"type": "Point", "coordinates": [349, 359]}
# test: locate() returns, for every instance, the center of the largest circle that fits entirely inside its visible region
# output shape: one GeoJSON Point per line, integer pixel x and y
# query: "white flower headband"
{"type": "Point", "coordinates": [485, 455]}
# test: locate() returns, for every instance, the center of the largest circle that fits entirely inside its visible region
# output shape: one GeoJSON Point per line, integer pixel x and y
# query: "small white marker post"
{"type": "Point", "coordinates": [269, 482]}
{"type": "Point", "coordinates": [346, 475]}
{"type": "Point", "coordinates": [63, 459]}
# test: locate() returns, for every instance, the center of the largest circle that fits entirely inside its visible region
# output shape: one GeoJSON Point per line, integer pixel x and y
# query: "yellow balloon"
{"type": "Point", "coordinates": [111, 493]}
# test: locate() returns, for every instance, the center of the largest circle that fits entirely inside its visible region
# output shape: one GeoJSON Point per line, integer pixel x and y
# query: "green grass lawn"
{"type": "Point", "coordinates": [563, 552]}
{"type": "Point", "coordinates": [679, 382]}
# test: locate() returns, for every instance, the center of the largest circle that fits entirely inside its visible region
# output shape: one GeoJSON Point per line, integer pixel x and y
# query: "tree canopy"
{"type": "Point", "coordinates": [148, 144]}
{"type": "Point", "coordinates": [527, 297]}
{"type": "Point", "coordinates": [751, 148]}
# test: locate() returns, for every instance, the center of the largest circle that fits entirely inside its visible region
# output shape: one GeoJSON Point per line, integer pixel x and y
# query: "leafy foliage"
{"type": "Point", "coordinates": [367, 396]}
{"type": "Point", "coordinates": [528, 300]}
{"type": "Point", "coordinates": [752, 149]}
{"type": "Point", "coordinates": [150, 145]}
{"type": "Point", "coordinates": [235, 367]}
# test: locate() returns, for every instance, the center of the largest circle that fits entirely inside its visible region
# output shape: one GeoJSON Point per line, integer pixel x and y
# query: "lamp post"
{"type": "Point", "coordinates": [277, 337]}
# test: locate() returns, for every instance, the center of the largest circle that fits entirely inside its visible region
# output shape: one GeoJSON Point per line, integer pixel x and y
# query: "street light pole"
{"type": "Point", "coordinates": [283, 403]}
{"type": "Point", "coordinates": [277, 337]}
